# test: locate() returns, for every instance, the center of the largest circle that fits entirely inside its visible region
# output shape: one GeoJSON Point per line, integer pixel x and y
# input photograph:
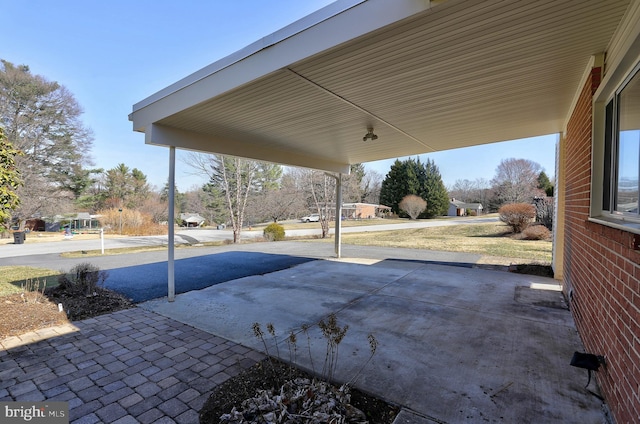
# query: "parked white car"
{"type": "Point", "coordinates": [314, 217]}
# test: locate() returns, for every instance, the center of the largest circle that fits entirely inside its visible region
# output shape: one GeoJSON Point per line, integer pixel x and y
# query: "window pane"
{"type": "Point", "coordinates": [629, 148]}
{"type": "Point", "coordinates": [609, 140]}
{"type": "Point", "coordinates": [629, 152]}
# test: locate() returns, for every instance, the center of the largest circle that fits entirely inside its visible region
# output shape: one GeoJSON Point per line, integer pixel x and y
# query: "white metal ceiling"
{"type": "Point", "coordinates": [457, 74]}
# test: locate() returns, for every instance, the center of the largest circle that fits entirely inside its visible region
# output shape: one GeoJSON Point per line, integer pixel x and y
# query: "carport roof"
{"type": "Point", "coordinates": [425, 75]}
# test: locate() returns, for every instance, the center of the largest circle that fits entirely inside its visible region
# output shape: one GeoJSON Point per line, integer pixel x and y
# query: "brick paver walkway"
{"type": "Point", "coordinates": [131, 366]}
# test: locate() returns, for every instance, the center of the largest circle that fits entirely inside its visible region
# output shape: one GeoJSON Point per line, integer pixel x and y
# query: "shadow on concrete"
{"type": "Point", "coordinates": [448, 263]}
{"type": "Point", "coordinates": [145, 282]}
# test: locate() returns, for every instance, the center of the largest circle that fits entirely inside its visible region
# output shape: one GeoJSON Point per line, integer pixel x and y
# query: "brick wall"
{"type": "Point", "coordinates": [602, 272]}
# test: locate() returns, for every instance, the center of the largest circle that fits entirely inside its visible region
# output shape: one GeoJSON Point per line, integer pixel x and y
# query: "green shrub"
{"type": "Point", "coordinates": [274, 232]}
{"type": "Point", "coordinates": [517, 215]}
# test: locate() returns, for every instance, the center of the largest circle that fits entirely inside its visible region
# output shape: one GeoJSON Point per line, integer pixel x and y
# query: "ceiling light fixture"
{"type": "Point", "coordinates": [369, 135]}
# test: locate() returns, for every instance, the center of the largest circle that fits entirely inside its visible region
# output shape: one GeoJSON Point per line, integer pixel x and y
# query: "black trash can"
{"type": "Point", "coordinates": [18, 237]}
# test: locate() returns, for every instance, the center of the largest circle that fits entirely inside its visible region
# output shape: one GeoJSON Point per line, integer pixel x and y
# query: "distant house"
{"type": "Point", "coordinates": [363, 210]}
{"type": "Point", "coordinates": [191, 220]}
{"type": "Point", "coordinates": [75, 221]}
{"type": "Point", "coordinates": [458, 208]}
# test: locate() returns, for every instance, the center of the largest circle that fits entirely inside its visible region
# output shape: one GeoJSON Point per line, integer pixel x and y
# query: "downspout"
{"type": "Point", "coordinates": [171, 289]}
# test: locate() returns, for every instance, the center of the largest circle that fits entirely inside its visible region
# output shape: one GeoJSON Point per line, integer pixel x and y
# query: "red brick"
{"type": "Point", "coordinates": [603, 270]}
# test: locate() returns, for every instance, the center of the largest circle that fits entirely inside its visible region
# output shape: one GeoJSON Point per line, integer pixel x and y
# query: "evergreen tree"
{"type": "Point", "coordinates": [545, 184]}
{"type": "Point", "coordinates": [126, 187]}
{"type": "Point", "coordinates": [397, 184]}
{"type": "Point", "coordinates": [433, 190]}
{"type": "Point", "coordinates": [9, 180]}
{"type": "Point", "coordinates": [268, 177]}
{"type": "Point", "coordinates": [179, 201]}
{"type": "Point", "coordinates": [214, 203]}
{"type": "Point", "coordinates": [413, 177]}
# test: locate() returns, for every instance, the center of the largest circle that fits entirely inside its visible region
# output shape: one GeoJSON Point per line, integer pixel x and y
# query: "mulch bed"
{"type": "Point", "coordinates": [22, 313]}
{"type": "Point", "coordinates": [270, 375]}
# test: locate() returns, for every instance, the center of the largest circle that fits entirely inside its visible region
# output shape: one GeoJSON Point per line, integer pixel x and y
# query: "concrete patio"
{"type": "Point", "coordinates": [455, 344]}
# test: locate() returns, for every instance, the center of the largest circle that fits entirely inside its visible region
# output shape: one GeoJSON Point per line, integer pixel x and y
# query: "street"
{"type": "Point", "coordinates": [196, 235]}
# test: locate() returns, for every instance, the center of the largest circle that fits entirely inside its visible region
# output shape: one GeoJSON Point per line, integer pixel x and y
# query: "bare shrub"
{"type": "Point", "coordinates": [333, 335]}
{"type": "Point", "coordinates": [84, 278]}
{"type": "Point", "coordinates": [517, 215]}
{"type": "Point", "coordinates": [33, 290]}
{"type": "Point", "coordinates": [413, 205]}
{"type": "Point", "coordinates": [536, 232]}
{"type": "Point", "coordinates": [130, 222]}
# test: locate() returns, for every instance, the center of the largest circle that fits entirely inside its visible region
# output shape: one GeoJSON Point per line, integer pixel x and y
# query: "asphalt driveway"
{"type": "Point", "coordinates": [149, 281]}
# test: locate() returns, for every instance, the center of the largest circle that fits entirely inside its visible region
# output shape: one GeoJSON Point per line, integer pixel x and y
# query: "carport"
{"type": "Point", "coordinates": [422, 76]}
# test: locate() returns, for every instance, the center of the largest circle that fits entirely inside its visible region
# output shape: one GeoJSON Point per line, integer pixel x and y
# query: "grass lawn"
{"type": "Point", "coordinates": [12, 278]}
{"type": "Point", "coordinates": [492, 239]}
{"type": "Point", "coordinates": [297, 225]}
{"type": "Point", "coordinates": [137, 249]}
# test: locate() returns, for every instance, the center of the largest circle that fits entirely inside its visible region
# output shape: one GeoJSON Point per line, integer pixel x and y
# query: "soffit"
{"type": "Point", "coordinates": [460, 74]}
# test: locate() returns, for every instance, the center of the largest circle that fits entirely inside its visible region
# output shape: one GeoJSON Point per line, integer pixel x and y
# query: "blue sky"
{"type": "Point", "coordinates": [112, 54]}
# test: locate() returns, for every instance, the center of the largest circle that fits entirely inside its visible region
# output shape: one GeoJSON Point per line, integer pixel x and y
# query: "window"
{"type": "Point", "coordinates": [622, 150]}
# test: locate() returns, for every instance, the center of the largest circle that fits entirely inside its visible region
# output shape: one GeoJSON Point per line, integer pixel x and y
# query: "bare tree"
{"type": "Point", "coordinates": [470, 191]}
{"type": "Point", "coordinates": [413, 205]}
{"type": "Point", "coordinates": [155, 207]}
{"type": "Point", "coordinates": [323, 192]}
{"type": "Point", "coordinates": [319, 190]}
{"type": "Point", "coordinates": [235, 177]}
{"type": "Point", "coordinates": [194, 200]}
{"type": "Point", "coordinates": [516, 181]}
{"type": "Point", "coordinates": [39, 198]}
{"type": "Point", "coordinates": [276, 204]}
{"type": "Point", "coordinates": [371, 183]}
{"type": "Point", "coordinates": [462, 190]}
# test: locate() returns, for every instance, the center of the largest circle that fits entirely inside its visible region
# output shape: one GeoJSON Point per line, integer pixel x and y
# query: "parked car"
{"type": "Point", "coordinates": [314, 217]}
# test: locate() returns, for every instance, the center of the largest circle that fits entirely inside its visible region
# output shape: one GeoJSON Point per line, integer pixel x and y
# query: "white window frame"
{"type": "Point", "coordinates": [623, 60]}
{"type": "Point", "coordinates": [612, 158]}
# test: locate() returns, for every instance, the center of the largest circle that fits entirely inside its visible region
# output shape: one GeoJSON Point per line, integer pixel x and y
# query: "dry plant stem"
{"type": "Point", "coordinates": [373, 346]}
{"type": "Point", "coordinates": [271, 329]}
{"type": "Point", "coordinates": [334, 335]}
{"type": "Point", "coordinates": [257, 331]}
{"type": "Point", "coordinates": [293, 348]}
{"type": "Point", "coordinates": [305, 328]}
{"type": "Point", "coordinates": [32, 286]}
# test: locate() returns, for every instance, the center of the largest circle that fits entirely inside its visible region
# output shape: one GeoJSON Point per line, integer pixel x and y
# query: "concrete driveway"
{"type": "Point", "coordinates": [456, 344]}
